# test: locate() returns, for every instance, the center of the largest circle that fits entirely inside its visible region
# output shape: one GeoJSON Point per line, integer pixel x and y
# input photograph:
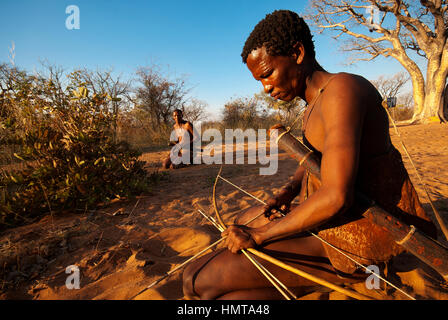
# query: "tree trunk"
{"type": "Point", "coordinates": [430, 110]}
{"type": "Point", "coordinates": [443, 110]}
{"type": "Point", "coordinates": [418, 86]}
{"type": "Point", "coordinates": [433, 93]}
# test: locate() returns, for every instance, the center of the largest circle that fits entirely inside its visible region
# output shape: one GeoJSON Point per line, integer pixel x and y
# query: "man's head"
{"type": "Point", "coordinates": [177, 116]}
{"type": "Point", "coordinates": [275, 53]}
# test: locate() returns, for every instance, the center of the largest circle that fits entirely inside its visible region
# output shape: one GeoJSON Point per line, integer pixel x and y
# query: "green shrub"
{"type": "Point", "coordinates": [71, 160]}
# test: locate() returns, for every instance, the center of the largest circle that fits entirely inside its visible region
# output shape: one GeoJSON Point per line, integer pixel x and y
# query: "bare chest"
{"type": "Point", "coordinates": [313, 128]}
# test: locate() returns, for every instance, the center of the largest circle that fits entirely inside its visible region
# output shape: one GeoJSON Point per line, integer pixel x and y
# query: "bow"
{"type": "Point", "coordinates": [221, 226]}
{"type": "Point", "coordinates": [284, 291]}
{"type": "Point", "coordinates": [288, 267]}
{"type": "Point", "coordinates": [215, 205]}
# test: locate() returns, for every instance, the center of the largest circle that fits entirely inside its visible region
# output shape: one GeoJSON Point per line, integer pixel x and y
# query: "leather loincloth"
{"type": "Point", "coordinates": [385, 180]}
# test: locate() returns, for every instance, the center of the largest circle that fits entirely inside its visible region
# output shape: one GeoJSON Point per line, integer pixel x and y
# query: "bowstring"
{"type": "Point", "coordinates": [329, 244]}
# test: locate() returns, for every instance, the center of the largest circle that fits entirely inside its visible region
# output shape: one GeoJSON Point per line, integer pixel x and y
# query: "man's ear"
{"type": "Point", "coordinates": [298, 52]}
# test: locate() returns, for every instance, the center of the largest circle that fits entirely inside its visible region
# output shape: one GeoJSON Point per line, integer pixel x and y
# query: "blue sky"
{"type": "Point", "coordinates": [200, 39]}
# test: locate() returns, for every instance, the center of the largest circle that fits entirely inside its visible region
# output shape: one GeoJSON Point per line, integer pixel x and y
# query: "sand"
{"type": "Point", "coordinates": [122, 248]}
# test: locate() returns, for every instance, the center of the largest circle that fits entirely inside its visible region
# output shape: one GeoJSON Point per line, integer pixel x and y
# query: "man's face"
{"type": "Point", "coordinates": [177, 116]}
{"type": "Point", "coordinates": [278, 74]}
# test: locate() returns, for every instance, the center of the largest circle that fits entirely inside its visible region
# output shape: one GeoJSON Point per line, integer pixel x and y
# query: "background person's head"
{"type": "Point", "coordinates": [177, 116]}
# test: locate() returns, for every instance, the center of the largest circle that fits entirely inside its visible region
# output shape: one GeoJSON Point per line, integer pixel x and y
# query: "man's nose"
{"type": "Point", "coordinates": [268, 88]}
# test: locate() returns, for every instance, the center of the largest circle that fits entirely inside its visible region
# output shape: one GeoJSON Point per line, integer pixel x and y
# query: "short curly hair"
{"type": "Point", "coordinates": [278, 32]}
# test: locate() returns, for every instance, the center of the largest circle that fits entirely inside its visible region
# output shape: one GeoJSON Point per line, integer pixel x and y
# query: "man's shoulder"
{"type": "Point", "coordinates": [188, 124]}
{"type": "Point", "coordinates": [347, 94]}
{"type": "Point", "coordinates": [350, 80]}
{"type": "Point", "coordinates": [350, 86]}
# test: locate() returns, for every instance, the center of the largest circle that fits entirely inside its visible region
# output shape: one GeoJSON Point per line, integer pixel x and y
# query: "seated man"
{"type": "Point", "coordinates": [184, 132]}
{"type": "Point", "coordinates": [346, 126]}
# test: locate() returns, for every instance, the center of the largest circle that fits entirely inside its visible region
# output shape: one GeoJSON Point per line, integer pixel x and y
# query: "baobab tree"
{"type": "Point", "coordinates": [391, 86]}
{"type": "Point", "coordinates": [406, 30]}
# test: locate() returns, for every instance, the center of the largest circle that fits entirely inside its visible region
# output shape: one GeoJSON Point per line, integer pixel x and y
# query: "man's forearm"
{"type": "Point", "coordinates": [316, 210]}
{"type": "Point", "coordinates": [292, 188]}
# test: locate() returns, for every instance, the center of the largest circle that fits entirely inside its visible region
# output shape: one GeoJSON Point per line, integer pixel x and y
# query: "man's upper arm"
{"type": "Point", "coordinates": [190, 127]}
{"type": "Point", "coordinates": [194, 133]}
{"type": "Point", "coordinates": [342, 111]}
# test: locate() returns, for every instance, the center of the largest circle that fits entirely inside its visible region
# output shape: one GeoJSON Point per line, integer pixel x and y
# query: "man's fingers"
{"type": "Point", "coordinates": [285, 208]}
{"type": "Point", "coordinates": [275, 215]}
{"type": "Point", "coordinates": [268, 210]}
{"type": "Point", "coordinates": [237, 239]}
{"type": "Point", "coordinates": [224, 233]}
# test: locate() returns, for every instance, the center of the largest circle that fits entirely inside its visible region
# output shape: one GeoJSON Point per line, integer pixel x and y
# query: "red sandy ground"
{"type": "Point", "coordinates": [122, 248]}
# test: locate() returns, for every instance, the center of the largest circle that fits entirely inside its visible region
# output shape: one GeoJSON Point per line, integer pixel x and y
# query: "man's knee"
{"type": "Point", "coordinates": [188, 278]}
{"type": "Point", "coordinates": [205, 289]}
{"type": "Point", "coordinates": [166, 163]}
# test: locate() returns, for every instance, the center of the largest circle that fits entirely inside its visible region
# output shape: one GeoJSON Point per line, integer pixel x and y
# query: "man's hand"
{"type": "Point", "coordinates": [277, 206]}
{"type": "Point", "coordinates": [239, 237]}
